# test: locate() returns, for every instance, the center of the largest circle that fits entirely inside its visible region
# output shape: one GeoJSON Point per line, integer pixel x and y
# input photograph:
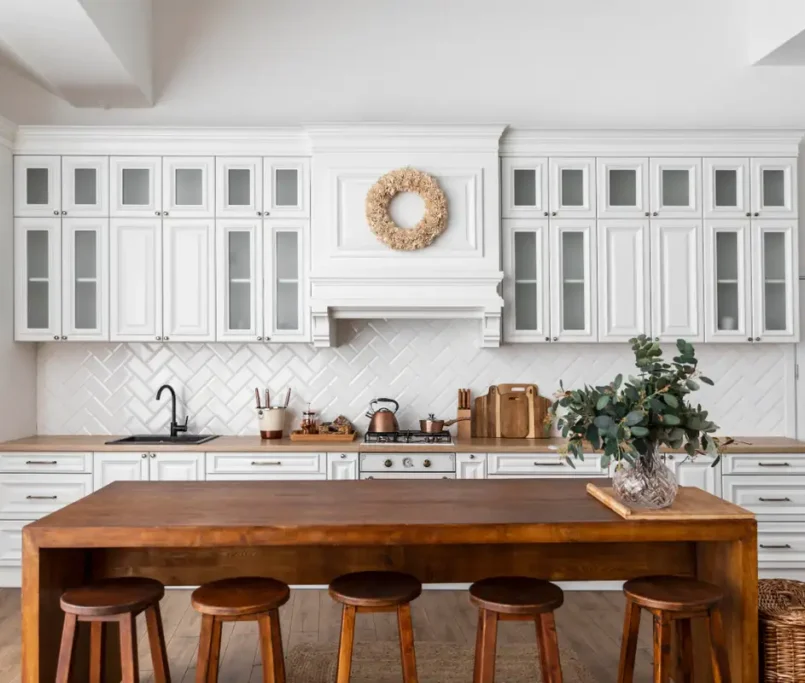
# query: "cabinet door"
{"type": "Point", "coordinates": [471, 466]}
{"type": "Point", "coordinates": [727, 289]}
{"type": "Point", "coordinates": [572, 187]}
{"type": "Point", "coordinates": [525, 282]}
{"type": "Point", "coordinates": [240, 280]}
{"type": "Point", "coordinates": [188, 189]}
{"type": "Point", "coordinates": [37, 186]}
{"type": "Point", "coordinates": [525, 187]}
{"type": "Point", "coordinates": [176, 466]}
{"type": "Point", "coordinates": [85, 279]}
{"type": "Point", "coordinates": [188, 279]}
{"type": "Point", "coordinates": [135, 187]}
{"type": "Point", "coordinates": [698, 472]}
{"type": "Point", "coordinates": [285, 187]}
{"type": "Point", "coordinates": [726, 188]}
{"type": "Point", "coordinates": [109, 467]}
{"type": "Point", "coordinates": [775, 287]}
{"type": "Point", "coordinates": [774, 187]}
{"type": "Point", "coordinates": [676, 279]}
{"type": "Point", "coordinates": [239, 187]}
{"type": "Point", "coordinates": [573, 310]}
{"type": "Point", "coordinates": [623, 280]}
{"type": "Point", "coordinates": [135, 279]}
{"type": "Point", "coordinates": [623, 187]}
{"type": "Point", "coordinates": [342, 466]}
{"type": "Point", "coordinates": [37, 247]}
{"type": "Point", "coordinates": [676, 188]}
{"type": "Point", "coordinates": [284, 297]}
{"type": "Point", "coordinates": [85, 187]}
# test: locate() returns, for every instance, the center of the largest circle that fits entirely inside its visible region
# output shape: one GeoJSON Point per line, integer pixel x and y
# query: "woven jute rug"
{"type": "Point", "coordinates": [436, 663]}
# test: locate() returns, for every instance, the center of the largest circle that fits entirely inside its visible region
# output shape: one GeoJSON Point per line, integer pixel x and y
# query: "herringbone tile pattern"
{"type": "Point", "coordinates": [110, 388]}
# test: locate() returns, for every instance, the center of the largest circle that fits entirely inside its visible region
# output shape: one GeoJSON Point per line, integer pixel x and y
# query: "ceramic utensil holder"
{"type": "Point", "coordinates": [272, 422]}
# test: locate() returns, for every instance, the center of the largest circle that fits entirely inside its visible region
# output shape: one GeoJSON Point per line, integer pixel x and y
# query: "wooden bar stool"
{"type": "Point", "coordinates": [673, 599]}
{"type": "Point", "coordinates": [516, 598]}
{"type": "Point", "coordinates": [119, 600]}
{"type": "Point", "coordinates": [240, 599]}
{"type": "Point", "coordinates": [376, 592]}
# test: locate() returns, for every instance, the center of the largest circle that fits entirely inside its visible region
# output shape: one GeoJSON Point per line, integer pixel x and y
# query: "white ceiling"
{"type": "Point", "coordinates": [548, 63]}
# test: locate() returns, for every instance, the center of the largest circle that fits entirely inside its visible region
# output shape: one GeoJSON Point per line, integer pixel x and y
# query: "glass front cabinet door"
{"type": "Point", "coordinates": [774, 188]}
{"type": "Point", "coordinates": [135, 189]}
{"type": "Point", "coordinates": [676, 187]}
{"type": "Point", "coordinates": [239, 187]}
{"type": "Point", "coordinates": [284, 277]}
{"type": "Point", "coordinates": [727, 284]}
{"type": "Point", "coordinates": [775, 290]}
{"type": "Point", "coordinates": [285, 187]}
{"type": "Point", "coordinates": [726, 188]}
{"type": "Point", "coordinates": [85, 187]}
{"type": "Point", "coordinates": [525, 285]}
{"type": "Point", "coordinates": [524, 183]}
{"type": "Point", "coordinates": [572, 187]}
{"type": "Point", "coordinates": [188, 187]}
{"type": "Point", "coordinates": [573, 311]}
{"type": "Point", "coordinates": [37, 243]}
{"type": "Point", "coordinates": [85, 279]}
{"type": "Point", "coordinates": [37, 186]}
{"type": "Point", "coordinates": [240, 280]}
{"type": "Point", "coordinates": [623, 188]}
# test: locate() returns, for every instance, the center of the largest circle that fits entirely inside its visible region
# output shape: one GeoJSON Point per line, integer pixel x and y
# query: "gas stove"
{"type": "Point", "coordinates": [408, 437]}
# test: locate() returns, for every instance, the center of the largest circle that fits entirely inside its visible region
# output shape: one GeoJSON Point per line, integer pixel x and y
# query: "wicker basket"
{"type": "Point", "coordinates": [782, 630]}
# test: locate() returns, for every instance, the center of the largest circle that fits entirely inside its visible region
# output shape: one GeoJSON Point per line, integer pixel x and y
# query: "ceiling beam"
{"type": "Point", "coordinates": [777, 32]}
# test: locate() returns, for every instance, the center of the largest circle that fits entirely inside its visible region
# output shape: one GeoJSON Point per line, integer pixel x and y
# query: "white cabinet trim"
{"type": "Point", "coordinates": [558, 228]}
{"type": "Point", "coordinates": [52, 164]}
{"type": "Point", "coordinates": [170, 207]}
{"type": "Point", "coordinates": [22, 226]}
{"type": "Point", "coordinates": [100, 226]}
{"type": "Point", "coordinates": [540, 229]}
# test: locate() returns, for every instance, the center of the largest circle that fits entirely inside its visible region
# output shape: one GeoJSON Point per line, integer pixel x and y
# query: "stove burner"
{"type": "Point", "coordinates": [407, 436]}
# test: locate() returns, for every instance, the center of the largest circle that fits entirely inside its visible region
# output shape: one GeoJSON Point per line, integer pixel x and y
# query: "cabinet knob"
{"type": "Point", "coordinates": [757, 213]}
{"type": "Point", "coordinates": [547, 339]}
{"type": "Point", "coordinates": [159, 338]}
{"type": "Point", "coordinates": [553, 213]}
{"type": "Point", "coordinates": [749, 339]}
{"type": "Point", "coordinates": [144, 455]}
{"type": "Point", "coordinates": [266, 338]}
{"type": "Point", "coordinates": [426, 463]}
{"type": "Point", "coordinates": [545, 214]}
{"type": "Point", "coordinates": [63, 213]}
{"type": "Point", "coordinates": [748, 213]}
{"type": "Point", "coordinates": [157, 213]}
{"type": "Point", "coordinates": [56, 337]}
{"type": "Point", "coordinates": [259, 339]}
{"type": "Point", "coordinates": [556, 339]}
{"type": "Point", "coordinates": [55, 213]}
{"type": "Point", "coordinates": [387, 463]}
{"type": "Point", "coordinates": [164, 213]}
{"type": "Point", "coordinates": [648, 213]}
{"type": "Point", "coordinates": [757, 338]}
{"type": "Point", "coordinates": [153, 455]}
{"type": "Point", "coordinates": [343, 456]}
{"type": "Point", "coordinates": [656, 213]}
{"type": "Point", "coordinates": [64, 338]}
{"type": "Point", "coordinates": [656, 339]}
{"type": "Point", "coordinates": [259, 213]}
{"type": "Point", "coordinates": [472, 456]}
{"type": "Point", "coordinates": [266, 213]}
{"type": "Point", "coordinates": [165, 338]}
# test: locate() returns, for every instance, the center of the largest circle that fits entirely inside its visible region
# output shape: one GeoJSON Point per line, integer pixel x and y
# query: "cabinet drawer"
{"type": "Point", "coordinates": [778, 465]}
{"type": "Point", "coordinates": [11, 543]}
{"type": "Point", "coordinates": [767, 496]}
{"type": "Point", "coordinates": [266, 476]}
{"type": "Point", "coordinates": [266, 463]}
{"type": "Point", "coordinates": [30, 496]}
{"type": "Point", "coordinates": [46, 462]}
{"type": "Point", "coordinates": [780, 544]}
{"type": "Point", "coordinates": [542, 464]}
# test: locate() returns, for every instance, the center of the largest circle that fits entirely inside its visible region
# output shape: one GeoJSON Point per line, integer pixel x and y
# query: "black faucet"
{"type": "Point", "coordinates": [175, 426]}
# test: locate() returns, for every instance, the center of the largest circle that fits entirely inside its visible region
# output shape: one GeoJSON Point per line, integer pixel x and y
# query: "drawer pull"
{"type": "Point", "coordinates": [41, 462]}
{"type": "Point", "coordinates": [41, 497]}
{"type": "Point", "coordinates": [266, 462]}
{"type": "Point", "coordinates": [548, 464]}
{"type": "Point", "coordinates": [784, 546]}
{"type": "Point", "coordinates": [773, 464]}
{"type": "Point", "coordinates": [775, 500]}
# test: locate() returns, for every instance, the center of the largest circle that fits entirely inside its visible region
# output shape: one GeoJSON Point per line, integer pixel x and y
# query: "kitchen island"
{"type": "Point", "coordinates": [186, 533]}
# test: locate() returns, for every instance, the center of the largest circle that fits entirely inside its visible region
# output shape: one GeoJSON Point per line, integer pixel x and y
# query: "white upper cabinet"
{"type": "Point", "coordinates": [727, 281]}
{"type": "Point", "coordinates": [85, 279]}
{"type": "Point", "coordinates": [38, 259]}
{"type": "Point", "coordinates": [188, 187]}
{"type": "Point", "coordinates": [239, 187]}
{"type": "Point", "coordinates": [285, 301]}
{"type": "Point", "coordinates": [188, 279]}
{"type": "Point", "coordinates": [572, 187]}
{"type": "Point", "coordinates": [135, 279]}
{"type": "Point", "coordinates": [676, 280]}
{"type": "Point", "coordinates": [676, 187]}
{"type": "Point", "coordinates": [623, 282]}
{"type": "Point", "coordinates": [573, 306]}
{"type": "Point", "coordinates": [85, 187]}
{"type": "Point", "coordinates": [37, 186]}
{"type": "Point", "coordinates": [135, 189]}
{"type": "Point", "coordinates": [623, 187]}
{"type": "Point", "coordinates": [524, 184]}
{"type": "Point", "coordinates": [526, 312]}
{"type": "Point", "coordinates": [286, 183]}
{"type": "Point", "coordinates": [775, 285]}
{"type": "Point", "coordinates": [726, 188]}
{"type": "Point", "coordinates": [774, 188]}
{"type": "Point", "coordinates": [240, 280]}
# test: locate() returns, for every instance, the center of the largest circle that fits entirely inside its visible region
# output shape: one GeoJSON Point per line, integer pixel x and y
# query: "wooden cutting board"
{"type": "Point", "coordinates": [480, 419]}
{"type": "Point", "coordinates": [515, 411]}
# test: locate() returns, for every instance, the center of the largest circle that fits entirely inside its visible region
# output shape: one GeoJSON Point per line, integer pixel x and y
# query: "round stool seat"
{"type": "Point", "coordinates": [112, 596]}
{"type": "Point", "coordinates": [673, 593]}
{"type": "Point", "coordinates": [375, 589]}
{"type": "Point", "coordinates": [516, 595]}
{"type": "Point", "coordinates": [241, 596]}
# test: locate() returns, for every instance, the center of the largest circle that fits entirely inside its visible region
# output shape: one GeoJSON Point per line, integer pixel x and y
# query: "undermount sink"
{"type": "Point", "coordinates": [188, 439]}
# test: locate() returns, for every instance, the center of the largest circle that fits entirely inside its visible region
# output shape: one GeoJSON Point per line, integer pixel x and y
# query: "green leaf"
{"type": "Point", "coordinates": [671, 400]}
{"type": "Point", "coordinates": [603, 422]}
{"type": "Point", "coordinates": [602, 403]}
{"type": "Point", "coordinates": [593, 437]}
{"type": "Point", "coordinates": [637, 430]}
{"type": "Point", "coordinates": [706, 380]}
{"type": "Point", "coordinates": [617, 383]}
{"type": "Point", "coordinates": [671, 419]}
{"type": "Point", "coordinates": [690, 384]}
{"type": "Point", "coordinates": [635, 417]}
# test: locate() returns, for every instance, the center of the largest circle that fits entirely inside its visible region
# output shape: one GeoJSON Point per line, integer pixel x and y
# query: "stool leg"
{"type": "Point", "coordinates": [156, 641]}
{"type": "Point", "coordinates": [345, 644]}
{"type": "Point", "coordinates": [479, 640]}
{"type": "Point", "coordinates": [66, 648]}
{"type": "Point", "coordinates": [718, 648]}
{"type": "Point", "coordinates": [684, 649]}
{"type": "Point", "coordinates": [271, 648]}
{"type": "Point", "coordinates": [129, 663]}
{"type": "Point", "coordinates": [204, 648]}
{"type": "Point", "coordinates": [548, 648]}
{"type": "Point", "coordinates": [631, 627]}
{"type": "Point", "coordinates": [407, 652]}
{"type": "Point", "coordinates": [485, 668]}
{"type": "Point", "coordinates": [214, 662]}
{"type": "Point", "coordinates": [96, 652]}
{"type": "Point", "coordinates": [662, 649]}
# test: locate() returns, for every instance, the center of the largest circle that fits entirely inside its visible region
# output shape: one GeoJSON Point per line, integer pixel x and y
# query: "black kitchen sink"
{"type": "Point", "coordinates": [167, 439]}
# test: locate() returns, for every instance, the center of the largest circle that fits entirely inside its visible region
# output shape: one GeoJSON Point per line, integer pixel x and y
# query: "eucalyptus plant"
{"type": "Point", "coordinates": [630, 420]}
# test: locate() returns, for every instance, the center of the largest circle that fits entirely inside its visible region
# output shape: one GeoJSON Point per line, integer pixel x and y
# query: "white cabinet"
{"type": "Point", "coordinates": [85, 279]}
{"type": "Point", "coordinates": [285, 187]}
{"type": "Point", "coordinates": [85, 187]}
{"type": "Point", "coordinates": [676, 187]}
{"type": "Point", "coordinates": [471, 466]}
{"type": "Point", "coordinates": [774, 187]}
{"type": "Point", "coordinates": [239, 187]}
{"type": "Point", "coordinates": [176, 466]}
{"type": "Point", "coordinates": [542, 465]}
{"type": "Point", "coordinates": [188, 187]}
{"type": "Point", "coordinates": [698, 472]}
{"type": "Point", "coordinates": [524, 184]}
{"type": "Point", "coordinates": [774, 281]}
{"type": "Point", "coordinates": [11, 543]}
{"type": "Point", "coordinates": [676, 279]}
{"type": "Point", "coordinates": [573, 272]}
{"type": "Point", "coordinates": [37, 186]}
{"type": "Point", "coordinates": [109, 467]}
{"type": "Point", "coordinates": [38, 261]}
{"type": "Point", "coordinates": [285, 299]}
{"type": "Point", "coordinates": [240, 280]}
{"type": "Point", "coordinates": [525, 285]}
{"type": "Point", "coordinates": [188, 280]}
{"type": "Point", "coordinates": [572, 187]}
{"type": "Point", "coordinates": [135, 187]}
{"type": "Point", "coordinates": [31, 496]}
{"type": "Point", "coordinates": [623, 279]}
{"type": "Point", "coordinates": [623, 187]}
{"type": "Point", "coordinates": [726, 187]}
{"type": "Point", "coordinates": [342, 466]}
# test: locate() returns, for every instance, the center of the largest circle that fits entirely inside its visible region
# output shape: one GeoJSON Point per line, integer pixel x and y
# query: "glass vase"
{"type": "Point", "coordinates": [647, 484]}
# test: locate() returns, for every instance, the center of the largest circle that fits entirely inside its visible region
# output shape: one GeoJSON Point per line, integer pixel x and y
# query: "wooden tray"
{"type": "Point", "coordinates": [691, 504]}
{"type": "Point", "coordinates": [299, 436]}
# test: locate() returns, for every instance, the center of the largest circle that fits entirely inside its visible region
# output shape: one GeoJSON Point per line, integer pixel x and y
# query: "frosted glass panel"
{"type": "Point", "coordinates": [239, 255]}
{"type": "Point", "coordinates": [573, 255]}
{"type": "Point", "coordinates": [774, 256]}
{"type": "Point", "coordinates": [572, 187]}
{"type": "Point", "coordinates": [36, 186]}
{"type": "Point", "coordinates": [85, 181]}
{"type": "Point", "coordinates": [774, 187]}
{"type": "Point", "coordinates": [37, 250]}
{"type": "Point", "coordinates": [525, 256]}
{"type": "Point", "coordinates": [38, 305]}
{"type": "Point", "coordinates": [525, 305]}
{"type": "Point", "coordinates": [775, 306]}
{"type": "Point", "coordinates": [525, 187]}
{"type": "Point", "coordinates": [623, 187]}
{"type": "Point", "coordinates": [774, 289]}
{"type": "Point", "coordinates": [727, 309]}
{"type": "Point", "coordinates": [189, 187]}
{"type": "Point", "coordinates": [726, 256]}
{"type": "Point", "coordinates": [573, 306]}
{"type": "Point", "coordinates": [287, 256]}
{"type": "Point", "coordinates": [726, 183]}
{"type": "Point", "coordinates": [675, 187]}
{"type": "Point", "coordinates": [287, 306]}
{"type": "Point", "coordinates": [286, 190]}
{"type": "Point", "coordinates": [136, 186]}
{"type": "Point", "coordinates": [239, 187]}
{"type": "Point", "coordinates": [85, 253]}
{"type": "Point", "coordinates": [85, 305]}
{"type": "Point", "coordinates": [240, 306]}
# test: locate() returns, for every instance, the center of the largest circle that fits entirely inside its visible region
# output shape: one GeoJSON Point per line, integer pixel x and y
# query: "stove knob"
{"type": "Point", "coordinates": [426, 463]}
{"type": "Point", "coordinates": [388, 463]}
{"type": "Point", "coordinates": [407, 462]}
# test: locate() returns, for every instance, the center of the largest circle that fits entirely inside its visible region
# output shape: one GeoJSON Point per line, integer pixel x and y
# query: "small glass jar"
{"type": "Point", "coordinates": [309, 423]}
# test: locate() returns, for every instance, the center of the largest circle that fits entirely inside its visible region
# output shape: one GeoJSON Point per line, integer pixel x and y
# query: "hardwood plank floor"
{"type": "Point", "coordinates": [589, 622]}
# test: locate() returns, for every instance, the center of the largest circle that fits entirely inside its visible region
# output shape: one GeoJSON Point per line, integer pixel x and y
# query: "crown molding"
{"type": "Point", "coordinates": [8, 133]}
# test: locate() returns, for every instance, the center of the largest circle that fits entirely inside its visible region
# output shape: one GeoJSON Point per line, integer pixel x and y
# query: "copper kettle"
{"type": "Point", "coordinates": [383, 420]}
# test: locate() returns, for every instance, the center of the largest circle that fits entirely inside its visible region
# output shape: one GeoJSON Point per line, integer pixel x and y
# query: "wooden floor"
{"type": "Point", "coordinates": [589, 622]}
